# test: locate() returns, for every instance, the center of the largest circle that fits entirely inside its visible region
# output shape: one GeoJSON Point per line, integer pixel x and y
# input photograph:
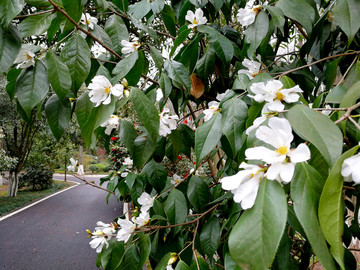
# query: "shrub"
{"type": "Point", "coordinates": [107, 168]}
{"type": "Point", "coordinates": [93, 168]}
{"type": "Point", "coordinates": [38, 178]}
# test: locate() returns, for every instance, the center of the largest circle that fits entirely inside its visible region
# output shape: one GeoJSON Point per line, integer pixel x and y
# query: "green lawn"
{"type": "Point", "coordinates": [25, 197]}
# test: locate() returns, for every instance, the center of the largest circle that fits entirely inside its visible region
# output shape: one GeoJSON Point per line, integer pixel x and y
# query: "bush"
{"type": "Point", "coordinates": [38, 178]}
{"type": "Point", "coordinates": [93, 168]}
{"type": "Point", "coordinates": [107, 168]}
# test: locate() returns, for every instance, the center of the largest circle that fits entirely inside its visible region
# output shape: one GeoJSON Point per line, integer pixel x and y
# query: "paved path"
{"type": "Point", "coordinates": [51, 235]}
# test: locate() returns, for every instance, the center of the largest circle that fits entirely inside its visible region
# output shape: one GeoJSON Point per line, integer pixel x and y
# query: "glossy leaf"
{"type": "Point", "coordinates": [127, 135]}
{"type": "Point", "coordinates": [262, 226]}
{"type": "Point", "coordinates": [157, 57]}
{"type": "Point", "coordinates": [348, 100]}
{"type": "Point", "coordinates": [306, 187]}
{"type": "Point", "coordinates": [178, 73]}
{"type": "Point", "coordinates": [145, 247]}
{"type": "Point", "coordinates": [8, 10]}
{"type": "Point", "coordinates": [76, 55]}
{"type": "Point", "coordinates": [10, 44]}
{"type": "Point", "coordinates": [58, 74]}
{"type": "Point", "coordinates": [155, 174]}
{"type": "Point", "coordinates": [83, 108]}
{"type": "Point", "coordinates": [207, 137]}
{"type": "Point", "coordinates": [198, 193]}
{"type": "Point", "coordinates": [206, 64]}
{"type": "Point", "coordinates": [35, 25]}
{"type": "Point", "coordinates": [175, 207]}
{"type": "Point", "coordinates": [317, 129]}
{"type": "Point", "coordinates": [347, 16]}
{"type": "Point", "coordinates": [210, 236]}
{"type": "Point", "coordinates": [144, 148]}
{"type": "Point", "coordinates": [125, 65]}
{"type": "Point", "coordinates": [32, 86]}
{"type": "Point", "coordinates": [58, 113]}
{"type": "Point", "coordinates": [101, 34]}
{"type": "Point", "coordinates": [117, 31]}
{"type": "Point", "coordinates": [256, 32]}
{"type": "Point", "coordinates": [331, 211]}
{"type": "Point", "coordinates": [146, 112]}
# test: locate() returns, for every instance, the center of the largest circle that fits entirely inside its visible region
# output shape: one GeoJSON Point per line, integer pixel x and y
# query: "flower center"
{"type": "Point", "coordinates": [255, 74]}
{"type": "Point", "coordinates": [195, 21]}
{"type": "Point", "coordinates": [28, 57]}
{"type": "Point", "coordinates": [282, 150]}
{"type": "Point", "coordinates": [87, 22]}
{"type": "Point", "coordinates": [100, 233]}
{"type": "Point", "coordinates": [257, 9]}
{"type": "Point", "coordinates": [107, 90]}
{"type": "Point", "coordinates": [279, 96]}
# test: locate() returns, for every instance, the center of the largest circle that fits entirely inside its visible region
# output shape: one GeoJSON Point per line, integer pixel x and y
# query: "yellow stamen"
{"type": "Point", "coordinates": [279, 96]}
{"type": "Point", "coordinates": [87, 22]}
{"type": "Point", "coordinates": [195, 21]}
{"type": "Point", "coordinates": [28, 57]}
{"type": "Point", "coordinates": [255, 74]}
{"type": "Point", "coordinates": [100, 233]}
{"type": "Point", "coordinates": [107, 90]}
{"type": "Point", "coordinates": [282, 150]}
{"type": "Point", "coordinates": [252, 175]}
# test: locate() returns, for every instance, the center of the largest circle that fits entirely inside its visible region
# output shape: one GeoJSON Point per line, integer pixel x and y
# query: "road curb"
{"type": "Point", "coordinates": [39, 201]}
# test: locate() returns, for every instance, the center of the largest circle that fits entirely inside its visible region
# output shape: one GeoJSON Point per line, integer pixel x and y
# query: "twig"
{"type": "Point", "coordinates": [34, 14]}
{"type": "Point", "coordinates": [300, 28]}
{"type": "Point", "coordinates": [184, 248]}
{"type": "Point", "coordinates": [347, 71]}
{"type": "Point", "coordinates": [316, 62]}
{"type": "Point", "coordinates": [91, 184]}
{"type": "Point", "coordinates": [193, 246]}
{"type": "Point", "coordinates": [354, 122]}
{"type": "Point", "coordinates": [348, 112]}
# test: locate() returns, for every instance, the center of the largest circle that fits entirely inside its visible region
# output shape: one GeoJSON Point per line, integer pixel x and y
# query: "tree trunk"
{"type": "Point", "coordinates": [13, 183]}
{"type": "Point", "coordinates": [81, 150]}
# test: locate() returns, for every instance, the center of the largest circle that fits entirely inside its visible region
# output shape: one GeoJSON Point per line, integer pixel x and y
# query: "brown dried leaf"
{"type": "Point", "coordinates": [197, 86]}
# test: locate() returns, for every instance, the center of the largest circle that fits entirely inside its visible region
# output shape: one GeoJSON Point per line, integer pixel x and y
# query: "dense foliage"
{"type": "Point", "coordinates": [265, 93]}
{"type": "Point", "coordinates": [37, 178]}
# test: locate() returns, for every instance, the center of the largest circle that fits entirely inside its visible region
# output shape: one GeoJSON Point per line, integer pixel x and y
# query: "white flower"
{"type": "Point", "coordinates": [101, 236]}
{"type": "Point", "coordinates": [176, 179]}
{"type": "Point", "coordinates": [195, 19]}
{"type": "Point", "coordinates": [253, 68]}
{"type": "Point", "coordinates": [25, 58]}
{"type": "Point", "coordinates": [129, 47]}
{"type": "Point", "coordinates": [244, 185]}
{"type": "Point", "coordinates": [146, 202]}
{"type": "Point", "coordinates": [219, 97]}
{"type": "Point", "coordinates": [111, 123]}
{"type": "Point", "coordinates": [81, 170]}
{"type": "Point", "coordinates": [265, 114]}
{"type": "Point", "coordinates": [98, 50]}
{"type": "Point", "coordinates": [167, 122]}
{"type": "Point", "coordinates": [127, 228]}
{"type": "Point", "coordinates": [213, 107]}
{"type": "Point", "coordinates": [128, 162]}
{"type": "Point", "coordinates": [74, 163]}
{"type": "Point", "coordinates": [101, 90]}
{"type": "Point", "coordinates": [246, 16]}
{"type": "Point", "coordinates": [88, 20]}
{"type": "Point", "coordinates": [159, 95]}
{"type": "Point", "coordinates": [273, 93]}
{"type": "Point", "coordinates": [350, 169]}
{"type": "Point", "coordinates": [142, 219]}
{"type": "Point", "coordinates": [169, 267]}
{"type": "Point", "coordinates": [282, 159]}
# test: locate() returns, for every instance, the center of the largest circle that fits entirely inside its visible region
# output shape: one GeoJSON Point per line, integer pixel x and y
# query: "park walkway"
{"type": "Point", "coordinates": [51, 234]}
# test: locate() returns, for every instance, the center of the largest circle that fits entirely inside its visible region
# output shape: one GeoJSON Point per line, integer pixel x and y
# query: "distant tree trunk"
{"type": "Point", "coordinates": [81, 151]}
{"type": "Point", "coordinates": [13, 183]}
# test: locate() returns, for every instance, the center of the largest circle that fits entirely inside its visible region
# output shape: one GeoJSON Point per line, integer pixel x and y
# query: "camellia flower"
{"type": "Point", "coordinates": [146, 201]}
{"type": "Point", "coordinates": [127, 228]}
{"type": "Point", "coordinates": [176, 179]}
{"type": "Point", "coordinates": [25, 58]}
{"type": "Point", "coordinates": [253, 68]}
{"type": "Point", "coordinates": [111, 123]}
{"type": "Point", "coordinates": [73, 165]}
{"type": "Point", "coordinates": [88, 20]}
{"type": "Point", "coordinates": [167, 122]}
{"type": "Point", "coordinates": [98, 50]}
{"type": "Point", "coordinates": [101, 236]}
{"type": "Point", "coordinates": [81, 170]}
{"type": "Point", "coordinates": [195, 19]}
{"type": "Point", "coordinates": [350, 169]}
{"type": "Point", "coordinates": [278, 134]}
{"type": "Point", "coordinates": [213, 107]}
{"type": "Point", "coordinates": [246, 16]}
{"type": "Point", "coordinates": [128, 162]}
{"type": "Point", "coordinates": [273, 93]}
{"type": "Point", "coordinates": [245, 184]}
{"type": "Point", "coordinates": [101, 90]}
{"type": "Point", "coordinates": [265, 114]}
{"type": "Point", "coordinates": [143, 219]}
{"type": "Point", "coordinates": [129, 47]}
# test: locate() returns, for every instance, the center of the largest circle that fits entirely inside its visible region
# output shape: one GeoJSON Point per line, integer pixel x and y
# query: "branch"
{"type": "Point", "coordinates": [91, 184]}
{"type": "Point", "coordinates": [193, 245]}
{"type": "Point", "coordinates": [316, 62]}
{"type": "Point", "coordinates": [354, 122]}
{"type": "Point", "coordinates": [348, 112]}
{"type": "Point", "coordinates": [300, 28]}
{"type": "Point", "coordinates": [34, 14]}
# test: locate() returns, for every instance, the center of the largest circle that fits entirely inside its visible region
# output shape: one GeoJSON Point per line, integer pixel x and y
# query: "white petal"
{"type": "Point", "coordinates": [300, 154]}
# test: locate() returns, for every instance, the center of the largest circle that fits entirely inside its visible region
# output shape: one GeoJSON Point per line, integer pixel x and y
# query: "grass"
{"type": "Point", "coordinates": [25, 197]}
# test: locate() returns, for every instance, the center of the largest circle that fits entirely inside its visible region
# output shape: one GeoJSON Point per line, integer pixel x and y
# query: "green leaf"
{"type": "Point", "coordinates": [127, 135]}
{"type": "Point", "coordinates": [58, 113]}
{"type": "Point", "coordinates": [10, 44]}
{"type": "Point", "coordinates": [207, 137]}
{"type": "Point", "coordinates": [155, 174]}
{"type": "Point", "coordinates": [330, 73]}
{"type": "Point", "coordinates": [163, 262]}
{"type": "Point", "coordinates": [178, 73]}
{"type": "Point", "coordinates": [140, 9]}
{"type": "Point", "coordinates": [229, 263]}
{"type": "Point", "coordinates": [169, 19]}
{"type": "Point", "coordinates": [256, 32]}
{"type": "Point", "coordinates": [157, 57]}
{"type": "Point", "coordinates": [198, 194]}
{"type": "Point", "coordinates": [83, 108]}
{"type": "Point", "coordinates": [348, 100]}
{"type": "Point", "coordinates": [11, 85]}
{"type": "Point", "coordinates": [206, 64]}
{"type": "Point", "coordinates": [183, 34]}
{"type": "Point", "coordinates": [336, 94]}
{"type": "Point", "coordinates": [145, 247]}
{"type": "Point", "coordinates": [58, 74]}
{"type": "Point", "coordinates": [210, 236]}
{"type": "Point", "coordinates": [299, 10]}
{"type": "Point", "coordinates": [317, 129]}
{"type": "Point", "coordinates": [234, 116]}
{"type": "Point", "coordinates": [176, 208]}
{"type": "Point", "coordinates": [277, 16]}
{"type": "Point", "coordinates": [35, 25]}
{"type": "Point", "coordinates": [157, 6]}
{"type": "Point", "coordinates": [262, 226]}
{"type": "Point", "coordinates": [181, 266]}
{"type": "Point", "coordinates": [306, 187]}
{"type": "Point", "coordinates": [117, 31]}
{"type": "Point", "coordinates": [144, 148]}
{"type": "Point", "coordinates": [32, 86]}
{"type": "Point", "coordinates": [241, 82]}
{"type": "Point", "coordinates": [74, 8]}
{"type": "Point", "coordinates": [125, 65]}
{"type": "Point", "coordinates": [165, 85]}
{"type": "Point", "coordinates": [135, 73]}
{"type": "Point", "coordinates": [222, 45]}
{"type": "Point", "coordinates": [190, 53]}
{"type": "Point", "coordinates": [8, 10]}
{"type": "Point", "coordinates": [331, 209]}
{"type": "Point", "coordinates": [76, 55]}
{"type": "Point", "coordinates": [347, 16]}
{"type": "Point", "coordinates": [101, 34]}
{"type": "Point", "coordinates": [131, 259]}
{"type": "Point", "coordinates": [146, 111]}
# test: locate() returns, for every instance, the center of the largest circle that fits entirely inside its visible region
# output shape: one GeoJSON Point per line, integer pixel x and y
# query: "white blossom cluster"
{"type": "Point", "coordinates": [167, 122]}
{"type": "Point", "coordinates": [101, 90]}
{"type": "Point", "coordinates": [350, 169]}
{"type": "Point", "coordinates": [126, 228]}
{"type": "Point", "coordinates": [73, 164]}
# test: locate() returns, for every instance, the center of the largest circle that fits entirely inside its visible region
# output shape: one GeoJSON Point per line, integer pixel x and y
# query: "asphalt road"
{"type": "Point", "coordinates": [51, 234]}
